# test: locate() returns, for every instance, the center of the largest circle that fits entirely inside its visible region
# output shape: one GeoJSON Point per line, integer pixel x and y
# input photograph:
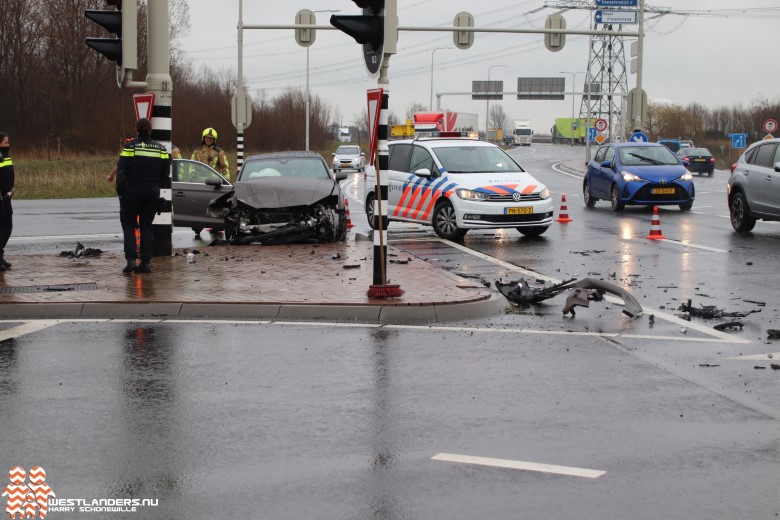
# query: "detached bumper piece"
{"type": "Point", "coordinates": [588, 290]}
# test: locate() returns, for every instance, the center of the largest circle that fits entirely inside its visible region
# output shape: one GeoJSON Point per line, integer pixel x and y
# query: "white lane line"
{"type": "Point", "coordinates": [557, 169]}
{"type": "Point", "coordinates": [695, 246]}
{"type": "Point", "coordinates": [26, 328]}
{"type": "Point", "coordinates": [76, 237]}
{"type": "Point", "coordinates": [519, 464]}
{"type": "Point", "coordinates": [775, 356]}
{"type": "Point", "coordinates": [647, 310]}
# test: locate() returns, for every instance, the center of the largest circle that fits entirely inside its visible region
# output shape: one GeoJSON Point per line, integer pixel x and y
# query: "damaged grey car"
{"type": "Point", "coordinates": [283, 197]}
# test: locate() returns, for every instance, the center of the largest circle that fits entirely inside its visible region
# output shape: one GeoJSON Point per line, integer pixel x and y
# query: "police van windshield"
{"type": "Point", "coordinates": [475, 159]}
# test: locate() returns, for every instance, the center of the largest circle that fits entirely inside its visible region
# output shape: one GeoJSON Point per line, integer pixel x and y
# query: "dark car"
{"type": "Point", "coordinates": [283, 197]}
{"type": "Point", "coordinates": [637, 174]}
{"type": "Point", "coordinates": [194, 186]}
{"type": "Point", "coordinates": [699, 160]}
{"type": "Point", "coordinates": [754, 186]}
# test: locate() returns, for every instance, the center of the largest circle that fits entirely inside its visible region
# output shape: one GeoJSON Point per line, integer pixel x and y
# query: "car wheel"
{"type": "Point", "coordinates": [710, 174]}
{"type": "Point", "coordinates": [230, 231]}
{"type": "Point", "coordinates": [590, 200]}
{"type": "Point", "coordinates": [615, 199]}
{"type": "Point", "coordinates": [686, 207]}
{"type": "Point", "coordinates": [741, 220]}
{"type": "Point", "coordinates": [197, 230]}
{"type": "Point", "coordinates": [532, 231]}
{"type": "Point", "coordinates": [370, 210]}
{"type": "Point", "coordinates": [444, 222]}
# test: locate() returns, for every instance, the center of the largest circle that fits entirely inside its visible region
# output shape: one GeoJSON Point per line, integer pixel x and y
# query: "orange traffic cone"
{"type": "Point", "coordinates": [350, 225]}
{"type": "Point", "coordinates": [655, 226]}
{"type": "Point", "coordinates": [563, 215]}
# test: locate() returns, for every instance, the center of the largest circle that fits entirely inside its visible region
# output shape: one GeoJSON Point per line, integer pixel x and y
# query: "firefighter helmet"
{"type": "Point", "coordinates": [210, 132]}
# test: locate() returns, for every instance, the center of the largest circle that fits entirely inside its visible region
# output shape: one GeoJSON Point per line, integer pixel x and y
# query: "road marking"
{"type": "Point", "coordinates": [77, 237]}
{"type": "Point", "coordinates": [26, 328]}
{"type": "Point", "coordinates": [775, 356]}
{"type": "Point", "coordinates": [519, 464]}
{"type": "Point", "coordinates": [557, 169]}
{"type": "Point", "coordinates": [695, 246]}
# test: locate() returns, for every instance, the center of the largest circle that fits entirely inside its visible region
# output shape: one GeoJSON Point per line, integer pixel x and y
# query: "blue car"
{"type": "Point", "coordinates": [646, 174]}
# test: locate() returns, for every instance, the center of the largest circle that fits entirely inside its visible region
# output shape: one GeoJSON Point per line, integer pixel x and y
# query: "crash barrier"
{"type": "Point", "coordinates": [655, 226]}
{"type": "Point", "coordinates": [563, 215]}
{"type": "Point", "coordinates": [350, 225]}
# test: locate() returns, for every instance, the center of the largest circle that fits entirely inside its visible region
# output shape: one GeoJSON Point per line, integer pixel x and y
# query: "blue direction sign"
{"type": "Point", "coordinates": [638, 137]}
{"type": "Point", "coordinates": [616, 17]}
{"type": "Point", "coordinates": [592, 133]}
{"type": "Point", "coordinates": [617, 3]}
{"type": "Point", "coordinates": [739, 140]}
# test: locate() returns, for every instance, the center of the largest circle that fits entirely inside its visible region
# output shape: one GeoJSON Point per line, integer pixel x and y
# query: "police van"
{"type": "Point", "coordinates": [455, 184]}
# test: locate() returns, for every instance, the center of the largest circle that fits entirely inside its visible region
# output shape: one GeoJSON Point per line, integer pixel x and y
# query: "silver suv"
{"type": "Point", "coordinates": [754, 185]}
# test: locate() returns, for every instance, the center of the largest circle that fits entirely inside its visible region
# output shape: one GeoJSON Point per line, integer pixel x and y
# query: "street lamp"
{"type": "Point", "coordinates": [487, 102]}
{"type": "Point", "coordinates": [432, 53]}
{"type": "Point", "coordinates": [314, 22]}
{"type": "Point", "coordinates": [573, 75]}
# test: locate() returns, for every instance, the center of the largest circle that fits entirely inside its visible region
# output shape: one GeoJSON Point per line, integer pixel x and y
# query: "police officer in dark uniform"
{"type": "Point", "coordinates": [142, 166]}
{"type": "Point", "coordinates": [6, 192]}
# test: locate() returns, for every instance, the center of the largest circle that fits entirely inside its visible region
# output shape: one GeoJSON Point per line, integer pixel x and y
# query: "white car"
{"type": "Point", "coordinates": [349, 157]}
{"type": "Point", "coordinates": [456, 184]}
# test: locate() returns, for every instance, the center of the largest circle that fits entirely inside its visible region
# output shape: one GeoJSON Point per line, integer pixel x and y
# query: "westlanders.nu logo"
{"type": "Point", "coordinates": [27, 500]}
{"type": "Point", "coordinates": [36, 499]}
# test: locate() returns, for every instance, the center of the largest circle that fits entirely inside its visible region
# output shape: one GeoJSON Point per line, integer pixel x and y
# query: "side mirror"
{"type": "Point", "coordinates": [606, 164]}
{"type": "Point", "coordinates": [362, 154]}
{"type": "Point", "coordinates": [341, 176]}
{"type": "Point", "coordinates": [686, 163]}
{"type": "Point", "coordinates": [214, 182]}
{"type": "Point", "coordinates": [423, 172]}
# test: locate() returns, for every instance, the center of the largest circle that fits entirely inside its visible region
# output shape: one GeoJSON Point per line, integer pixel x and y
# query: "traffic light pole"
{"type": "Point", "coordinates": [159, 83]}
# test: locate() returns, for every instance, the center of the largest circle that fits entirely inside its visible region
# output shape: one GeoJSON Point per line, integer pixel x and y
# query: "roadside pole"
{"type": "Point", "coordinates": [159, 83]}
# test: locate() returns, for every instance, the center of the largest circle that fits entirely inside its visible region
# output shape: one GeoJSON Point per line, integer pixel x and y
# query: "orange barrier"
{"type": "Point", "coordinates": [655, 226]}
{"type": "Point", "coordinates": [563, 215]}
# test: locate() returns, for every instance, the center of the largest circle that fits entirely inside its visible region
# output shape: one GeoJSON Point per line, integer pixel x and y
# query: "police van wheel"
{"type": "Point", "coordinates": [532, 231]}
{"type": "Point", "coordinates": [444, 222]}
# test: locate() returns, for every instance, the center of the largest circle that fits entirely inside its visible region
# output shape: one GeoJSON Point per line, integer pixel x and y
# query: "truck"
{"type": "Point", "coordinates": [446, 121]}
{"type": "Point", "coordinates": [567, 128]}
{"type": "Point", "coordinates": [521, 136]}
{"type": "Point", "coordinates": [345, 135]}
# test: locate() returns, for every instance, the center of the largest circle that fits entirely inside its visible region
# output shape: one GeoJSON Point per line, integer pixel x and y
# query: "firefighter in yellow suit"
{"type": "Point", "coordinates": [211, 154]}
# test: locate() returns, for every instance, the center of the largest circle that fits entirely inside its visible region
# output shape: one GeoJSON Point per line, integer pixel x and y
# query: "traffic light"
{"type": "Point", "coordinates": [123, 23]}
{"type": "Point", "coordinates": [376, 29]}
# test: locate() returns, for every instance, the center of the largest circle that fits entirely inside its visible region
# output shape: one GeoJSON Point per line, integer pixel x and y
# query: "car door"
{"type": "Point", "coordinates": [417, 188]}
{"type": "Point", "coordinates": [192, 194]}
{"type": "Point", "coordinates": [602, 175]}
{"type": "Point", "coordinates": [760, 176]}
{"type": "Point", "coordinates": [398, 165]}
{"type": "Point", "coordinates": [773, 186]}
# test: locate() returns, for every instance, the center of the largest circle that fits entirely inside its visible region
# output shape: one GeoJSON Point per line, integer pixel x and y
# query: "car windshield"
{"type": "Point", "coordinates": [646, 156]}
{"type": "Point", "coordinates": [475, 159]}
{"type": "Point", "coordinates": [306, 167]}
{"type": "Point", "coordinates": [348, 150]}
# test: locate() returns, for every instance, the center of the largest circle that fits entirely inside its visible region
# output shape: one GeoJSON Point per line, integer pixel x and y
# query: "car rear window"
{"type": "Point", "coordinates": [696, 151]}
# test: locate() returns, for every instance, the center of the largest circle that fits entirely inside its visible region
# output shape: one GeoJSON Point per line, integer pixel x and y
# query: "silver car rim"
{"type": "Point", "coordinates": [615, 197]}
{"type": "Point", "coordinates": [445, 220]}
{"type": "Point", "coordinates": [737, 211]}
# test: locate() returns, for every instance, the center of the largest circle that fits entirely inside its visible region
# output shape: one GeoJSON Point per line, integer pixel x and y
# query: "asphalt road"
{"type": "Point", "coordinates": [592, 416]}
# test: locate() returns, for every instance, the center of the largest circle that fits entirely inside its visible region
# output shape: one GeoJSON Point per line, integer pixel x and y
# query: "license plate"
{"type": "Point", "coordinates": [662, 191]}
{"type": "Point", "coordinates": [527, 210]}
{"type": "Point", "coordinates": [701, 160]}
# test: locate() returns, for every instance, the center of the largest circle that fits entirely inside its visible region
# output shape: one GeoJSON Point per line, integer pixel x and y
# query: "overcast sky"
{"type": "Point", "coordinates": [713, 60]}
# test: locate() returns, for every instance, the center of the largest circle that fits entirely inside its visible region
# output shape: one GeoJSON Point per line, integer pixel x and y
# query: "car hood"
{"type": "Point", "coordinates": [282, 192]}
{"type": "Point", "coordinates": [502, 183]}
{"type": "Point", "coordinates": [656, 173]}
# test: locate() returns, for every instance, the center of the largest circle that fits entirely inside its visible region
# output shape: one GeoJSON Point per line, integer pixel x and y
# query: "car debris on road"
{"type": "Point", "coordinates": [711, 311]}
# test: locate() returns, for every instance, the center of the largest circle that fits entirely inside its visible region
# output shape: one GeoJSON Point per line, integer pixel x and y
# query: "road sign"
{"type": "Point", "coordinates": [463, 39]}
{"type": "Point", "coordinates": [241, 110]}
{"type": "Point", "coordinates": [770, 125]}
{"type": "Point", "coordinates": [600, 138]}
{"type": "Point", "coordinates": [616, 17]}
{"type": "Point", "coordinates": [143, 106]}
{"type": "Point", "coordinates": [768, 137]}
{"type": "Point", "coordinates": [592, 133]}
{"type": "Point", "coordinates": [638, 137]}
{"type": "Point", "coordinates": [738, 140]}
{"type": "Point", "coordinates": [554, 42]}
{"type": "Point", "coordinates": [600, 125]}
{"type": "Point", "coordinates": [305, 37]}
{"type": "Point", "coordinates": [374, 109]}
{"type": "Point", "coordinates": [616, 3]}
